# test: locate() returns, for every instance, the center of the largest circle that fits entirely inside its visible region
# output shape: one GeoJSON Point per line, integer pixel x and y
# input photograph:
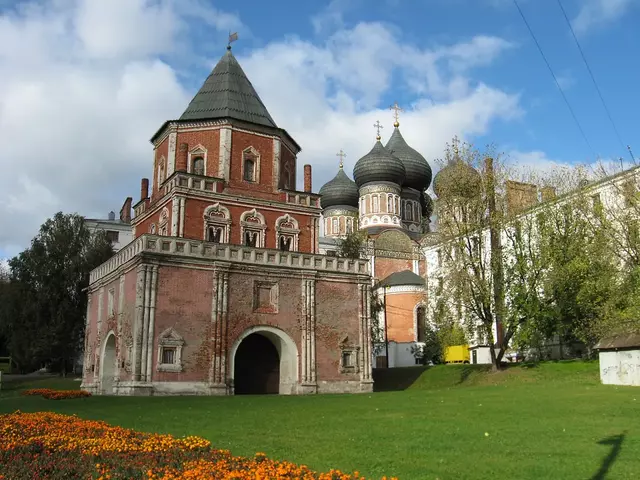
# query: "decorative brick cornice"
{"type": "Point", "coordinates": [196, 250]}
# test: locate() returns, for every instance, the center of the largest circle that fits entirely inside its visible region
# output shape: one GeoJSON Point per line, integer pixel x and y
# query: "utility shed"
{"type": "Point", "coordinates": [620, 359]}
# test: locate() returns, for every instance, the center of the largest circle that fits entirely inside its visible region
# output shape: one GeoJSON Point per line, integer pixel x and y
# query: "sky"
{"type": "Point", "coordinates": [84, 84]}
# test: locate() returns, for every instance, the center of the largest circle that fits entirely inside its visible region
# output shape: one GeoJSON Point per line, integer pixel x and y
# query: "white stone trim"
{"type": "Point", "coordinates": [213, 220]}
{"type": "Point", "coordinates": [224, 155]}
{"type": "Point", "coordinates": [287, 351]}
{"type": "Point", "coordinates": [256, 227]}
{"type": "Point", "coordinates": [420, 304]}
{"type": "Point", "coordinates": [170, 339]}
{"type": "Point", "coordinates": [171, 153]}
{"type": "Point", "coordinates": [276, 162]}
{"type": "Point", "coordinates": [162, 172]}
{"type": "Point", "coordinates": [400, 289]}
{"type": "Point", "coordinates": [199, 151]}
{"type": "Point", "coordinates": [293, 231]}
{"type": "Point", "coordinates": [256, 166]}
{"type": "Point", "coordinates": [104, 385]}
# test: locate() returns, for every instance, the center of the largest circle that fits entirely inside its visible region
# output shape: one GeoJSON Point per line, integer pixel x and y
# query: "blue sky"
{"type": "Point", "coordinates": [85, 83]}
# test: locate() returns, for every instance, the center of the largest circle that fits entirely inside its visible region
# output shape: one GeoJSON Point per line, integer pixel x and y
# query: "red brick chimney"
{"type": "Point", "coordinates": [125, 211]}
{"type": "Point", "coordinates": [307, 178]}
{"type": "Point", "coordinates": [181, 159]}
{"type": "Point", "coordinates": [144, 189]}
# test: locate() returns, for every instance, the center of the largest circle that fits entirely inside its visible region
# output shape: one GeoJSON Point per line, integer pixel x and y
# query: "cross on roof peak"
{"type": "Point", "coordinates": [341, 154]}
{"type": "Point", "coordinates": [396, 114]}
{"type": "Point", "coordinates": [378, 126]}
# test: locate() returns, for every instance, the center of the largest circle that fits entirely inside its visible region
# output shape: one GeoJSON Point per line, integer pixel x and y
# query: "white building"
{"type": "Point", "coordinates": [119, 231]}
{"type": "Point", "coordinates": [620, 360]}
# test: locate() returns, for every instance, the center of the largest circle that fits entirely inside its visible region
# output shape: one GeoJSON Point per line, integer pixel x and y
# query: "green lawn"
{"type": "Point", "coordinates": [551, 421]}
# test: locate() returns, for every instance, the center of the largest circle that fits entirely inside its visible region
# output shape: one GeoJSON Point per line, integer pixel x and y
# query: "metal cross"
{"type": "Point", "coordinates": [377, 126]}
{"type": "Point", "coordinates": [396, 108]}
{"type": "Point", "coordinates": [341, 154]}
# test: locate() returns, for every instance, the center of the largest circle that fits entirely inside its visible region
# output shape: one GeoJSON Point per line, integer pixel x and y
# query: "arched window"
{"type": "Point", "coordinates": [287, 233]}
{"type": "Point", "coordinates": [421, 326]}
{"type": "Point", "coordinates": [198, 166]}
{"type": "Point", "coordinates": [376, 204]}
{"type": "Point", "coordinates": [252, 226]}
{"type": "Point", "coordinates": [250, 165]}
{"type": "Point", "coordinates": [335, 228]}
{"type": "Point", "coordinates": [349, 225]}
{"type": "Point", "coordinates": [389, 203]}
{"type": "Point", "coordinates": [161, 172]}
{"type": "Point", "coordinates": [217, 222]}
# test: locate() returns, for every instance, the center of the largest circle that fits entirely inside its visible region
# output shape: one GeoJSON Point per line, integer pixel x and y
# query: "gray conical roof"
{"type": "Point", "coordinates": [228, 93]}
{"type": "Point", "coordinates": [418, 171]}
{"type": "Point", "coordinates": [457, 179]}
{"type": "Point", "coordinates": [339, 191]}
{"type": "Point", "coordinates": [379, 166]}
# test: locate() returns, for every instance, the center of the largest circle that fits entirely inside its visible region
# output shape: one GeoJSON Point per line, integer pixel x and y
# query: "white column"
{"type": "Point", "coordinates": [277, 146]}
{"type": "Point", "coordinates": [139, 320]}
{"type": "Point", "coordinates": [175, 216]}
{"type": "Point", "coordinates": [152, 321]}
{"type": "Point", "coordinates": [224, 154]}
{"type": "Point", "coordinates": [171, 154]}
{"type": "Point", "coordinates": [181, 225]}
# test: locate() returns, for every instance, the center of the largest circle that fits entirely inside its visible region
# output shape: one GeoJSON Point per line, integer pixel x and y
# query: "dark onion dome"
{"type": "Point", "coordinates": [418, 171]}
{"type": "Point", "coordinates": [427, 204]}
{"type": "Point", "coordinates": [339, 191]}
{"type": "Point", "coordinates": [379, 166]}
{"type": "Point", "coordinates": [457, 179]}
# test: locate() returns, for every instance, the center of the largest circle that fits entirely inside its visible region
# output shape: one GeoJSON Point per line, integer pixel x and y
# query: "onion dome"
{"type": "Point", "coordinates": [339, 191]}
{"type": "Point", "coordinates": [457, 179]}
{"type": "Point", "coordinates": [379, 166]}
{"type": "Point", "coordinates": [418, 171]}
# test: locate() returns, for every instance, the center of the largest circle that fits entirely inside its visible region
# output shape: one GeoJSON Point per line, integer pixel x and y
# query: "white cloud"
{"type": "Point", "coordinates": [87, 89]}
{"type": "Point", "coordinates": [594, 13]}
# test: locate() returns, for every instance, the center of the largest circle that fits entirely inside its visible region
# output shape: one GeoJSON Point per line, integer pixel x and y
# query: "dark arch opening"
{"type": "Point", "coordinates": [257, 367]}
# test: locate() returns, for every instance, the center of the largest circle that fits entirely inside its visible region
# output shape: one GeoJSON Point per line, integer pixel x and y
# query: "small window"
{"type": "Point", "coordinates": [198, 166]}
{"type": "Point", "coordinates": [250, 238]}
{"type": "Point", "coordinates": [168, 355]}
{"type": "Point", "coordinates": [349, 225]}
{"type": "Point", "coordinates": [596, 201]}
{"type": "Point", "coordinates": [389, 203]}
{"type": "Point", "coordinates": [113, 236]}
{"type": "Point", "coordinates": [249, 167]}
{"type": "Point", "coordinates": [335, 229]}
{"type": "Point", "coordinates": [286, 241]}
{"type": "Point", "coordinates": [376, 205]}
{"type": "Point", "coordinates": [347, 359]}
{"type": "Point", "coordinates": [421, 324]}
{"type": "Point", "coordinates": [214, 234]}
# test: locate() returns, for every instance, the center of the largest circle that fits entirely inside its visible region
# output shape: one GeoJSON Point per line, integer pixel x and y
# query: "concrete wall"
{"type": "Point", "coordinates": [620, 368]}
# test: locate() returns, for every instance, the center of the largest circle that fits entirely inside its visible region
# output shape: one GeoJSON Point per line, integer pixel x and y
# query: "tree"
{"type": "Point", "coordinates": [352, 246]}
{"type": "Point", "coordinates": [470, 222]}
{"type": "Point", "coordinates": [43, 318]}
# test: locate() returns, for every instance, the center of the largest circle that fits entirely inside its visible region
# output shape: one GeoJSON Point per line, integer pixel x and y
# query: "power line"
{"type": "Point", "coordinates": [566, 100]}
{"type": "Point", "coordinates": [593, 78]}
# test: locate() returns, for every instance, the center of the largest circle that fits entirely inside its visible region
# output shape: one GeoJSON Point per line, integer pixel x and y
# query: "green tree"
{"type": "Point", "coordinates": [352, 245]}
{"type": "Point", "coordinates": [44, 316]}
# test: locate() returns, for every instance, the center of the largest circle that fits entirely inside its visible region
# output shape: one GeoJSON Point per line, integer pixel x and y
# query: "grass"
{"type": "Point", "coordinates": [552, 420]}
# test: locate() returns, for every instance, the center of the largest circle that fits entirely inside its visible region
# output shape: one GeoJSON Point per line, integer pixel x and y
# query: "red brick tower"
{"type": "Point", "coordinates": [224, 172]}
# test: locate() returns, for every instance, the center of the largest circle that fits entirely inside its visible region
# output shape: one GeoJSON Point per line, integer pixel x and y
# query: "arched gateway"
{"type": "Point", "coordinates": [264, 360]}
{"type": "Point", "coordinates": [108, 365]}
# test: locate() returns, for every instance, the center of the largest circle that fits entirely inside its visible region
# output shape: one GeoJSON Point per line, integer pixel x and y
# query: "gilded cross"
{"type": "Point", "coordinates": [396, 114]}
{"type": "Point", "coordinates": [341, 154]}
{"type": "Point", "coordinates": [378, 126]}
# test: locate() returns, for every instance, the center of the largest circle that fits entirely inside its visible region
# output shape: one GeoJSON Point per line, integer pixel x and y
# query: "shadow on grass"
{"type": "Point", "coordinates": [396, 379]}
{"type": "Point", "coordinates": [615, 441]}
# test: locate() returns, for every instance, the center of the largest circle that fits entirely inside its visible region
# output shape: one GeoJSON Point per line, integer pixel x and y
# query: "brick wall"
{"type": "Point", "coordinates": [386, 266]}
{"type": "Point", "coordinates": [400, 315]}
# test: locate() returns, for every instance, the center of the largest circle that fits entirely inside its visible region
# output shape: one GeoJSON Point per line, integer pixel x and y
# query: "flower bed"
{"type": "Point", "coordinates": [52, 394]}
{"type": "Point", "coordinates": [53, 446]}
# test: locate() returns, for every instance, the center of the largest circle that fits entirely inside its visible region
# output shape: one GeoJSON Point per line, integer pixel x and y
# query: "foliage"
{"type": "Point", "coordinates": [50, 445]}
{"type": "Point", "coordinates": [44, 303]}
{"type": "Point", "coordinates": [352, 244]}
{"type": "Point", "coordinates": [52, 394]}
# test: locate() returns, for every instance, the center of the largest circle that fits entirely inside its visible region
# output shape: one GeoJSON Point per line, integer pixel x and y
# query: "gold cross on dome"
{"type": "Point", "coordinates": [378, 126]}
{"type": "Point", "coordinates": [396, 114]}
{"type": "Point", "coordinates": [341, 154]}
